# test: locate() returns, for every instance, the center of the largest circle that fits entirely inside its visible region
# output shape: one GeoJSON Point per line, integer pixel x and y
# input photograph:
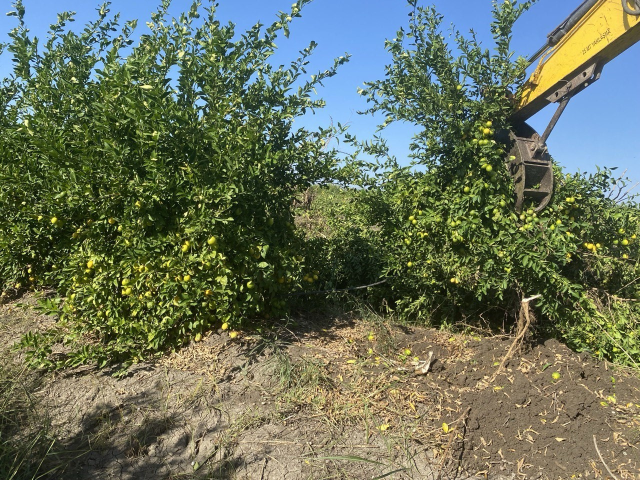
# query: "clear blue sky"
{"type": "Point", "coordinates": [600, 126]}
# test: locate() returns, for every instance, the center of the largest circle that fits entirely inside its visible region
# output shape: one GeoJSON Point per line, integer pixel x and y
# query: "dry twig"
{"type": "Point", "coordinates": [595, 443]}
{"type": "Point", "coordinates": [452, 434]}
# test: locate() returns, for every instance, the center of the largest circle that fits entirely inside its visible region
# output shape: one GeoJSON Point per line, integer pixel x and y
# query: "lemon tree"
{"type": "Point", "coordinates": [456, 248]}
{"type": "Point", "coordinates": [150, 181]}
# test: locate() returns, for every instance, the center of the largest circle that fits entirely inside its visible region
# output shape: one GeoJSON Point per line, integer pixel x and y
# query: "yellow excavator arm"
{"type": "Point", "coordinates": [571, 60]}
{"type": "Point", "coordinates": [596, 33]}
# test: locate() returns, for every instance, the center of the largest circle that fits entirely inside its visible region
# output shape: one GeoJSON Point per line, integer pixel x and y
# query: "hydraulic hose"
{"type": "Point", "coordinates": [628, 9]}
{"type": "Point", "coordinates": [554, 37]}
{"type": "Point", "coordinates": [571, 21]}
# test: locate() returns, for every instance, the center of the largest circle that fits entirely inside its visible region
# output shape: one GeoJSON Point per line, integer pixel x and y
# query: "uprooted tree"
{"type": "Point", "coordinates": [456, 248]}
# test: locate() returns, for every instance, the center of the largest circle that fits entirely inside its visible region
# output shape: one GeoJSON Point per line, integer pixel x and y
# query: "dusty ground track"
{"type": "Point", "coordinates": [338, 398]}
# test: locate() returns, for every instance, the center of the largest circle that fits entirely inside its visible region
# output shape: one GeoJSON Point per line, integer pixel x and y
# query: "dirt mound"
{"type": "Point", "coordinates": [551, 413]}
{"type": "Point", "coordinates": [341, 398]}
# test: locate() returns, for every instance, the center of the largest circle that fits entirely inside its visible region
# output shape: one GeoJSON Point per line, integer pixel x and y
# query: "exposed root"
{"type": "Point", "coordinates": [524, 322]}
